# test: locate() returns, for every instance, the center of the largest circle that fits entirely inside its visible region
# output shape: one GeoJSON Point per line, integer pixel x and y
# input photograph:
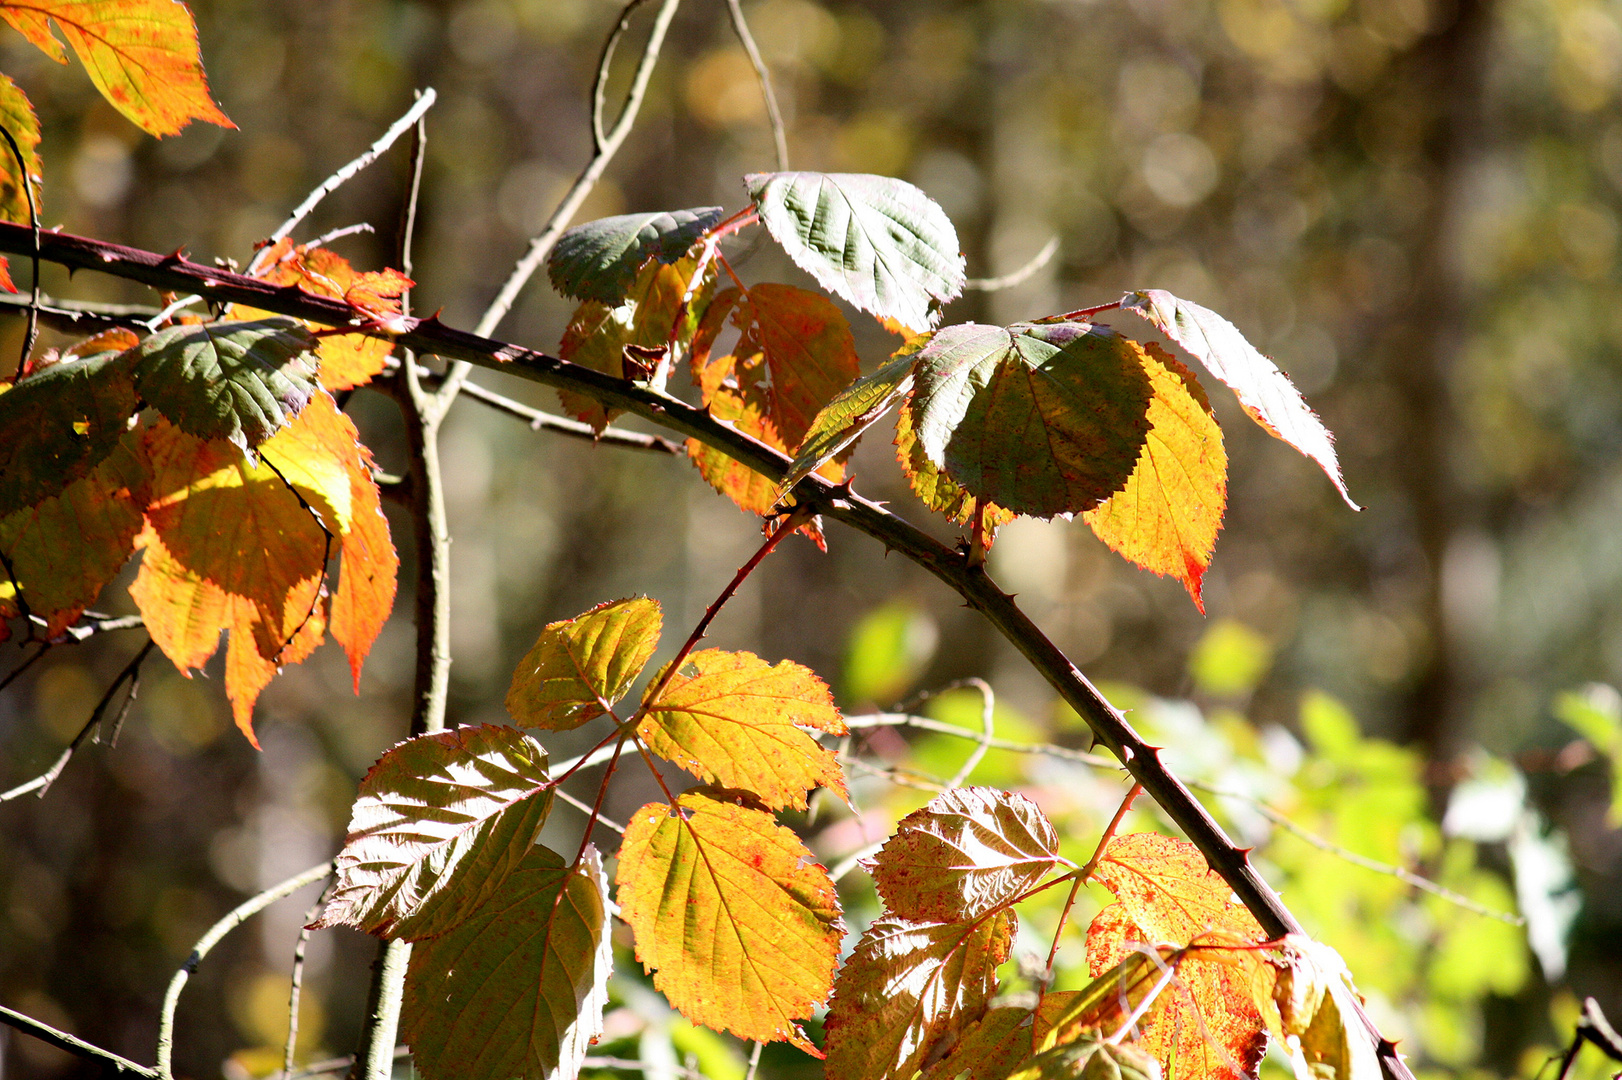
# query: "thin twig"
{"type": "Point", "coordinates": [1081, 879]}
{"type": "Point", "coordinates": [1018, 277]}
{"type": "Point", "coordinates": [16, 672]}
{"type": "Point", "coordinates": [235, 918]}
{"type": "Point", "coordinates": [924, 723]}
{"type": "Point", "coordinates": [754, 1061]}
{"type": "Point", "coordinates": [988, 731]}
{"type": "Point", "coordinates": [740, 26]}
{"type": "Point", "coordinates": [855, 859]}
{"type": "Point", "coordinates": [585, 809]}
{"type": "Point", "coordinates": [98, 624]}
{"type": "Point", "coordinates": [33, 223]}
{"type": "Point", "coordinates": [894, 776]}
{"type": "Point", "coordinates": [337, 179]}
{"type": "Point", "coordinates": [118, 1066]}
{"type": "Point", "coordinates": [169, 309]}
{"type": "Point", "coordinates": [80, 316]}
{"type": "Point", "coordinates": [347, 230]}
{"type": "Point", "coordinates": [298, 978]}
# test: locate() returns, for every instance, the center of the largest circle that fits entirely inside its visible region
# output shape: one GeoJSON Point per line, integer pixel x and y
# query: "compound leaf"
{"type": "Point", "coordinates": [599, 259]}
{"type": "Point", "coordinates": [60, 424]}
{"type": "Point", "coordinates": [970, 851]}
{"type": "Point", "coordinates": [1264, 391]}
{"type": "Point", "coordinates": [440, 823]}
{"type": "Point", "coordinates": [880, 243]}
{"type": "Point", "coordinates": [579, 667]}
{"type": "Point", "coordinates": [732, 719]}
{"type": "Point", "coordinates": [141, 54]}
{"type": "Point", "coordinates": [1167, 517]}
{"type": "Point", "coordinates": [239, 381]}
{"type": "Point", "coordinates": [737, 922]}
{"type": "Point", "coordinates": [518, 988]}
{"type": "Point", "coordinates": [1040, 419]}
{"type": "Point", "coordinates": [907, 986]}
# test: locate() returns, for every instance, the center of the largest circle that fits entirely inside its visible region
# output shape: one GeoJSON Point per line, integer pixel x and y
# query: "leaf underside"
{"type": "Point", "coordinates": [598, 259]}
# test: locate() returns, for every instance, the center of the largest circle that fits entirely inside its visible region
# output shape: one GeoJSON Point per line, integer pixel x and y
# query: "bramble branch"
{"type": "Point", "coordinates": [113, 1063]}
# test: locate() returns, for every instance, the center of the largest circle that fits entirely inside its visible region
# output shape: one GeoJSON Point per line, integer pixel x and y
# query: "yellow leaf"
{"type": "Point", "coordinates": [579, 667]}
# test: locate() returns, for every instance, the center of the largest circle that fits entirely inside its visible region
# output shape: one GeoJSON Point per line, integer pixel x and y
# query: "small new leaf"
{"type": "Point", "coordinates": [599, 259]}
{"type": "Point", "coordinates": [737, 922]}
{"type": "Point", "coordinates": [880, 243]}
{"type": "Point", "coordinates": [734, 720]}
{"type": "Point", "coordinates": [579, 667]}
{"type": "Point", "coordinates": [970, 851]}
{"type": "Point", "coordinates": [440, 823]}
{"type": "Point", "coordinates": [908, 986]}
{"type": "Point", "coordinates": [518, 988]}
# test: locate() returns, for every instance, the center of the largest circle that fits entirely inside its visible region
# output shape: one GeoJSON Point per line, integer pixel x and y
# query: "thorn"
{"type": "Point", "coordinates": [177, 255]}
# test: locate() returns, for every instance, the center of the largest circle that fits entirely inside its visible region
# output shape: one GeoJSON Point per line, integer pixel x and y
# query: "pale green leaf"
{"type": "Point", "coordinates": [841, 422]}
{"type": "Point", "coordinates": [597, 260]}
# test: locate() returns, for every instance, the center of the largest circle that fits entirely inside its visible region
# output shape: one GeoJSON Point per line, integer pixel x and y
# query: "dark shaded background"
{"type": "Point", "coordinates": [1412, 205]}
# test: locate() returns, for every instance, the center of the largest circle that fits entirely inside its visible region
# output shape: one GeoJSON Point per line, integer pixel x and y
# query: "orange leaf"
{"type": "Point", "coordinates": [738, 923]}
{"type": "Point", "coordinates": [1166, 892]}
{"type": "Point", "coordinates": [733, 719]}
{"type": "Point", "coordinates": [1167, 517]}
{"type": "Point", "coordinates": [141, 54]}
{"type": "Point", "coordinates": [368, 575]}
{"type": "Point", "coordinates": [257, 650]}
{"type": "Point", "coordinates": [183, 612]}
{"type": "Point", "coordinates": [579, 667]}
{"type": "Point", "coordinates": [19, 118]}
{"type": "Point", "coordinates": [940, 492]}
{"type": "Point", "coordinates": [347, 360]}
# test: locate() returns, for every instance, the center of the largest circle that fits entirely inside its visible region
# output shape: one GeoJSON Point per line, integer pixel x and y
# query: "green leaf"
{"type": "Point", "coordinates": [970, 851]}
{"type": "Point", "coordinates": [440, 822]}
{"type": "Point", "coordinates": [880, 243]}
{"type": "Point", "coordinates": [579, 667]}
{"type": "Point", "coordinates": [60, 424]}
{"type": "Point", "coordinates": [1595, 712]}
{"type": "Point", "coordinates": [738, 923]}
{"type": "Point", "coordinates": [1313, 999]}
{"type": "Point", "coordinates": [598, 260]}
{"type": "Point", "coordinates": [841, 422]}
{"type": "Point", "coordinates": [241, 381]}
{"type": "Point", "coordinates": [907, 987]}
{"type": "Point", "coordinates": [1264, 391]}
{"type": "Point", "coordinates": [732, 719]}
{"type": "Point", "coordinates": [1090, 1059]}
{"type": "Point", "coordinates": [518, 988]}
{"type": "Point", "coordinates": [1041, 419]}
{"type": "Point", "coordinates": [887, 651]}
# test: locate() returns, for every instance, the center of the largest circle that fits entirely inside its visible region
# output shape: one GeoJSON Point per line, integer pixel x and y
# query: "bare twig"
{"type": "Point", "coordinates": [81, 316]}
{"type": "Point", "coordinates": [1592, 1028]}
{"type": "Point", "coordinates": [33, 223]}
{"type": "Point", "coordinates": [754, 1061]}
{"type": "Point", "coordinates": [235, 918]}
{"type": "Point", "coordinates": [346, 230]}
{"type": "Point", "coordinates": [586, 809]}
{"type": "Point", "coordinates": [1018, 277]}
{"type": "Point", "coordinates": [98, 624]}
{"type": "Point", "coordinates": [924, 723]}
{"type": "Point", "coordinates": [111, 1062]}
{"type": "Point", "coordinates": [988, 731]}
{"type": "Point", "coordinates": [855, 859]}
{"type": "Point", "coordinates": [298, 978]}
{"type": "Point", "coordinates": [740, 26]}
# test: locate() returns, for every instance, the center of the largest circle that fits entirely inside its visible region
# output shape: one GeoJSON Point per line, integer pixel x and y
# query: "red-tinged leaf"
{"type": "Point", "coordinates": [1265, 392]}
{"type": "Point", "coordinates": [734, 720]}
{"type": "Point", "coordinates": [141, 54]}
{"type": "Point", "coordinates": [183, 612]}
{"type": "Point", "coordinates": [1166, 892]}
{"type": "Point", "coordinates": [1167, 517]}
{"type": "Point", "coordinates": [753, 492]}
{"type": "Point", "coordinates": [347, 360]}
{"type": "Point", "coordinates": [518, 989]}
{"type": "Point", "coordinates": [598, 334]}
{"type": "Point", "coordinates": [907, 988]}
{"type": "Point", "coordinates": [579, 667]}
{"type": "Point", "coordinates": [258, 648]}
{"type": "Point", "coordinates": [970, 851]}
{"type": "Point", "coordinates": [60, 424]}
{"type": "Point", "coordinates": [115, 340]}
{"type": "Point", "coordinates": [989, 1049]}
{"type": "Point", "coordinates": [369, 572]}
{"type": "Point", "coordinates": [940, 492]}
{"type": "Point", "coordinates": [18, 117]}
{"type": "Point", "coordinates": [5, 277]}
{"type": "Point", "coordinates": [1107, 1003]}
{"type": "Point", "coordinates": [737, 922]}
{"type": "Point", "coordinates": [440, 822]}
{"type": "Point", "coordinates": [1042, 419]}
{"type": "Point", "coordinates": [65, 549]}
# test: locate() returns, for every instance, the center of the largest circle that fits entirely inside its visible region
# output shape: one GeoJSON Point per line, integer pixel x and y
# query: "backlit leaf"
{"type": "Point", "coordinates": [368, 574]}
{"type": "Point", "coordinates": [753, 492]}
{"type": "Point", "coordinates": [60, 424]}
{"type": "Point", "coordinates": [258, 647]}
{"type": "Point", "coordinates": [1167, 517]}
{"type": "Point", "coordinates": [732, 719]}
{"type": "Point", "coordinates": [518, 988]}
{"type": "Point", "coordinates": [880, 243]}
{"type": "Point", "coordinates": [65, 549]}
{"type": "Point", "coordinates": [940, 492]}
{"type": "Point", "coordinates": [440, 822]}
{"type": "Point", "coordinates": [1265, 392]}
{"type": "Point", "coordinates": [1314, 1007]}
{"type": "Point", "coordinates": [1090, 1059]}
{"type": "Point", "coordinates": [970, 851]}
{"type": "Point", "coordinates": [1105, 1005]}
{"type": "Point", "coordinates": [183, 612]}
{"type": "Point", "coordinates": [141, 54]}
{"type": "Point", "coordinates": [18, 117]}
{"type": "Point", "coordinates": [907, 987]}
{"type": "Point", "coordinates": [579, 667]}
{"type": "Point", "coordinates": [1166, 892]}
{"type": "Point", "coordinates": [239, 381]}
{"type": "Point", "coordinates": [855, 409]}
{"type": "Point", "coordinates": [988, 1049]}
{"type": "Point", "coordinates": [598, 259]}
{"type": "Point", "coordinates": [347, 360]}
{"type": "Point", "coordinates": [1040, 419]}
{"type": "Point", "coordinates": [737, 922]}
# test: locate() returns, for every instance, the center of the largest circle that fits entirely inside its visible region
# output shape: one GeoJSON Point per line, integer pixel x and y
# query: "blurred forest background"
{"type": "Point", "coordinates": [1413, 205]}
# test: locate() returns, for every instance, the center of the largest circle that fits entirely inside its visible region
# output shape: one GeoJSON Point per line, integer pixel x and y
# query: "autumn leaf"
{"type": "Point", "coordinates": [1166, 892]}
{"type": "Point", "coordinates": [1264, 391]}
{"type": "Point", "coordinates": [18, 117]}
{"type": "Point", "coordinates": [258, 647]}
{"type": "Point", "coordinates": [1090, 1059]}
{"type": "Point", "coordinates": [238, 381]}
{"type": "Point", "coordinates": [1040, 419]}
{"type": "Point", "coordinates": [60, 424]}
{"type": "Point", "coordinates": [851, 412]}
{"type": "Point", "coordinates": [940, 492]}
{"type": "Point", "coordinates": [1167, 517]}
{"type": "Point", "coordinates": [182, 611]}
{"type": "Point", "coordinates": [440, 822]}
{"type": "Point", "coordinates": [970, 851]}
{"type": "Point", "coordinates": [732, 719]}
{"type": "Point", "coordinates": [141, 54]}
{"type": "Point", "coordinates": [988, 1049]}
{"type": "Point", "coordinates": [346, 360]}
{"type": "Point", "coordinates": [369, 571]}
{"type": "Point", "coordinates": [1311, 1004]}
{"type": "Point", "coordinates": [579, 667]}
{"type": "Point", "coordinates": [737, 922]}
{"type": "Point", "coordinates": [518, 988]}
{"type": "Point", "coordinates": [1106, 1004]}
{"type": "Point", "coordinates": [753, 492]}
{"type": "Point", "coordinates": [599, 259]}
{"type": "Point", "coordinates": [64, 550]}
{"type": "Point", "coordinates": [880, 243]}
{"type": "Point", "coordinates": [907, 987]}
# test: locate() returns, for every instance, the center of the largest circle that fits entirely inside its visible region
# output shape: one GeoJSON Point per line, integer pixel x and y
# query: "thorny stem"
{"type": "Point", "coordinates": [33, 223]}
{"type": "Point", "coordinates": [1082, 313]}
{"type": "Point", "coordinates": [740, 26]}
